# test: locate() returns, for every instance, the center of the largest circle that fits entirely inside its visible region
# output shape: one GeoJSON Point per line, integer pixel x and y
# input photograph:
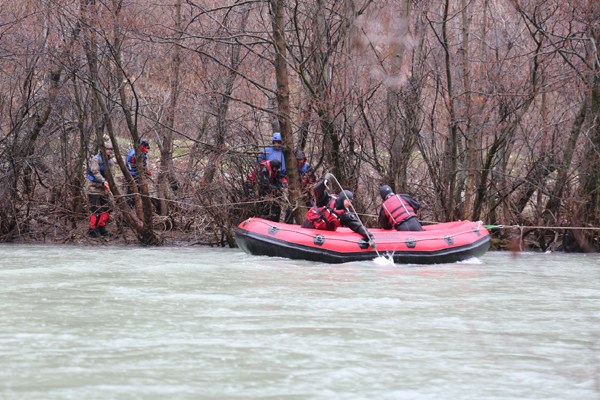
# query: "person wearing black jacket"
{"type": "Point", "coordinates": [398, 211]}
{"type": "Point", "coordinates": [331, 211]}
{"type": "Point", "coordinates": [267, 176]}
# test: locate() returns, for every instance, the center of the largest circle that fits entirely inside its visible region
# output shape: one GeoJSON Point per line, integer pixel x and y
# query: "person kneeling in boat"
{"type": "Point", "coordinates": [331, 211]}
{"type": "Point", "coordinates": [269, 179]}
{"type": "Point", "coordinates": [398, 211]}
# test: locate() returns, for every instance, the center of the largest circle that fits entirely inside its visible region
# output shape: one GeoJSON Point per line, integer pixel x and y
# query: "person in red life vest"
{"type": "Point", "coordinates": [331, 211]}
{"type": "Point", "coordinates": [398, 211]}
{"type": "Point", "coordinates": [267, 176]}
{"type": "Point", "coordinates": [132, 167]}
{"type": "Point", "coordinates": [305, 172]}
{"type": "Point", "coordinates": [97, 190]}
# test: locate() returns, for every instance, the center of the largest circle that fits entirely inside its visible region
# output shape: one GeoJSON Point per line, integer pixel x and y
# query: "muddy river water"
{"type": "Point", "coordinates": [202, 323]}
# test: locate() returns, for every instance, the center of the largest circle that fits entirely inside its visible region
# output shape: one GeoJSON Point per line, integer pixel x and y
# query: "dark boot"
{"type": "Point", "coordinates": [102, 230]}
{"type": "Point", "coordinates": [93, 233]}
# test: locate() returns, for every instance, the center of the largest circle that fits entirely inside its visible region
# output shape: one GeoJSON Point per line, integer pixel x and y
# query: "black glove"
{"type": "Point", "coordinates": [372, 242]}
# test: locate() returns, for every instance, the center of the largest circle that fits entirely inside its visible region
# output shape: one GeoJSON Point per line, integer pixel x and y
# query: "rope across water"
{"type": "Point", "coordinates": [372, 215]}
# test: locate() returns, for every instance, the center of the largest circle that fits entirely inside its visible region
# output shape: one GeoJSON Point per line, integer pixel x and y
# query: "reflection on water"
{"type": "Point", "coordinates": [198, 323]}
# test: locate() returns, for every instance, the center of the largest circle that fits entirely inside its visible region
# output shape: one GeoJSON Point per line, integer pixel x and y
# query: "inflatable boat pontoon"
{"type": "Point", "coordinates": [440, 243]}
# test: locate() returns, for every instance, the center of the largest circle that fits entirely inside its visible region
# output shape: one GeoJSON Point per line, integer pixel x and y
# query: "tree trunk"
{"type": "Point", "coordinates": [165, 175]}
{"type": "Point", "coordinates": [283, 106]}
{"type": "Point", "coordinates": [398, 124]}
{"type": "Point", "coordinates": [222, 110]}
{"type": "Point", "coordinates": [551, 212]}
{"type": "Point", "coordinates": [590, 174]}
{"type": "Point", "coordinates": [451, 142]}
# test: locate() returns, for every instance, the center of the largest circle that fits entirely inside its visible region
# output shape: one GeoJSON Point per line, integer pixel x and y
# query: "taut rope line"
{"type": "Point", "coordinates": [593, 228]}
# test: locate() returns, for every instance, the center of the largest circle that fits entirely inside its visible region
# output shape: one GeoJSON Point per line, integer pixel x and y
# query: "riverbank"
{"type": "Point", "coordinates": [185, 234]}
{"type": "Point", "coordinates": [46, 232]}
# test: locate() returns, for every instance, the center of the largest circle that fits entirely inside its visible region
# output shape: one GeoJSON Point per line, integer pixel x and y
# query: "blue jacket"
{"type": "Point", "coordinates": [130, 162]}
{"type": "Point", "coordinates": [273, 154]}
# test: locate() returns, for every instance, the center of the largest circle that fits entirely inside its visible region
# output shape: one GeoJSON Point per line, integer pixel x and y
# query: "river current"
{"type": "Point", "coordinates": [202, 323]}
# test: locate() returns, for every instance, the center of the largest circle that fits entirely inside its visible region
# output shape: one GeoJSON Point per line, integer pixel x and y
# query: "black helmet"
{"type": "Point", "coordinates": [385, 191]}
{"type": "Point", "coordinates": [144, 142]}
{"type": "Point", "coordinates": [300, 155]}
{"type": "Point", "coordinates": [344, 194]}
{"type": "Point", "coordinates": [275, 164]}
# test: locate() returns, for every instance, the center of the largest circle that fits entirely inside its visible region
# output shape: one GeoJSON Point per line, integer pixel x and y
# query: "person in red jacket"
{"type": "Point", "coordinates": [267, 176]}
{"type": "Point", "coordinates": [331, 211]}
{"type": "Point", "coordinates": [398, 211]}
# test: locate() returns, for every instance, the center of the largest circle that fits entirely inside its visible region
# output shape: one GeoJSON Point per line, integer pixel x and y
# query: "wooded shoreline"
{"type": "Point", "coordinates": [480, 110]}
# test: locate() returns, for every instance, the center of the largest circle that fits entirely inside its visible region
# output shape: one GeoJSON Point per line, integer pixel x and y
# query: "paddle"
{"type": "Point", "coordinates": [353, 210]}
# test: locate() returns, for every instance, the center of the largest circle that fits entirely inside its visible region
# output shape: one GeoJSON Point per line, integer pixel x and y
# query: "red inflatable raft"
{"type": "Point", "coordinates": [440, 243]}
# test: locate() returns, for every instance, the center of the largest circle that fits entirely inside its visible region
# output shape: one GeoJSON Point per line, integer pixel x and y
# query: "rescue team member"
{"type": "Point", "coordinates": [268, 177]}
{"type": "Point", "coordinates": [274, 153]}
{"type": "Point", "coordinates": [132, 167]}
{"type": "Point", "coordinates": [331, 211]}
{"type": "Point", "coordinates": [398, 211]}
{"type": "Point", "coordinates": [130, 159]}
{"type": "Point", "coordinates": [97, 191]}
{"type": "Point", "coordinates": [305, 172]}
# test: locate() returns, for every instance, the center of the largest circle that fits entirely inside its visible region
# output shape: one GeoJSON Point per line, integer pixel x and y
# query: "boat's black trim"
{"type": "Point", "coordinates": [262, 245]}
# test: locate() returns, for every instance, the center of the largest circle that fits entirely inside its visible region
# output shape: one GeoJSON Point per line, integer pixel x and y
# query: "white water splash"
{"type": "Point", "coordinates": [471, 261]}
{"type": "Point", "coordinates": [384, 260]}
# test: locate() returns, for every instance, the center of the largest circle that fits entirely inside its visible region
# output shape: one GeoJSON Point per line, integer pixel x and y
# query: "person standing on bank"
{"type": "Point", "coordinates": [97, 191]}
{"type": "Point", "coordinates": [305, 171]}
{"type": "Point", "coordinates": [132, 167]}
{"type": "Point", "coordinates": [274, 153]}
{"type": "Point", "coordinates": [398, 211]}
{"type": "Point", "coordinates": [269, 180]}
{"type": "Point", "coordinates": [331, 211]}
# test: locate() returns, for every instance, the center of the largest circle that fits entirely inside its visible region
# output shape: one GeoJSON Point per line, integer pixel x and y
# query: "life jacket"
{"type": "Point", "coordinates": [254, 175]}
{"type": "Point", "coordinates": [272, 174]}
{"type": "Point", "coordinates": [130, 162]}
{"type": "Point", "coordinates": [91, 175]}
{"type": "Point", "coordinates": [327, 218]}
{"type": "Point", "coordinates": [397, 210]}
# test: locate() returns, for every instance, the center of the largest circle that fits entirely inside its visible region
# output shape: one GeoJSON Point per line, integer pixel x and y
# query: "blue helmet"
{"type": "Point", "coordinates": [276, 136]}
